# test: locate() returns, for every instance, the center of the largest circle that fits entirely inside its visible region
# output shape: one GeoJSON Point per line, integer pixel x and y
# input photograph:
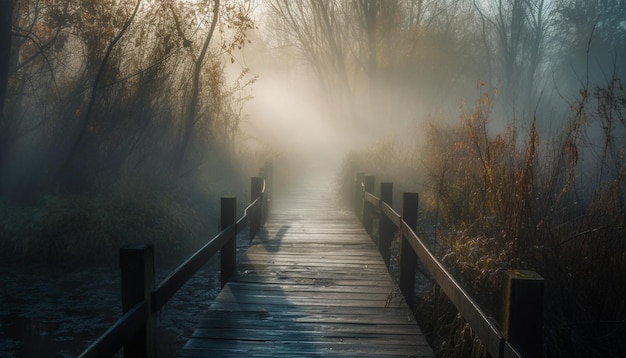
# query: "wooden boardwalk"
{"type": "Point", "coordinates": [311, 284]}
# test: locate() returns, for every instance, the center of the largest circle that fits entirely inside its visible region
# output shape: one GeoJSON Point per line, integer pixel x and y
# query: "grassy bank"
{"type": "Point", "coordinates": [176, 215]}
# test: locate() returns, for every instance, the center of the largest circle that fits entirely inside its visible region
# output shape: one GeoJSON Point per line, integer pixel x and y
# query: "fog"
{"type": "Point", "coordinates": [127, 120]}
{"type": "Point", "coordinates": [340, 76]}
{"type": "Point", "coordinates": [288, 118]}
{"type": "Point", "coordinates": [170, 88]}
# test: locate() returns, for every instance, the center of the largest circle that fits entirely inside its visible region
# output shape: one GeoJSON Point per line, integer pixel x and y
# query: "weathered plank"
{"type": "Point", "coordinates": [311, 284]}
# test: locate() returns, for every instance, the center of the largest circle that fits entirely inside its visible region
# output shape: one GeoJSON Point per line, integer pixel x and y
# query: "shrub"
{"type": "Point", "coordinates": [176, 216]}
{"type": "Point", "coordinates": [499, 201]}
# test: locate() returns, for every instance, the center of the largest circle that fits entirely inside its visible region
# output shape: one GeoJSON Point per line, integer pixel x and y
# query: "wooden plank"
{"type": "Point", "coordinates": [271, 314]}
{"type": "Point", "coordinates": [307, 288]}
{"type": "Point", "coordinates": [312, 283]}
{"type": "Point", "coordinates": [304, 280]}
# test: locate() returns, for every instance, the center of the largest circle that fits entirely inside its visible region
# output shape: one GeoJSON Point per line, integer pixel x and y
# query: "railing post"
{"type": "Point", "coordinates": [408, 258]}
{"type": "Point", "coordinates": [349, 184]}
{"type": "Point", "coordinates": [228, 253]}
{"type": "Point", "coordinates": [263, 174]}
{"type": "Point", "coordinates": [266, 173]}
{"type": "Point", "coordinates": [137, 268]}
{"type": "Point", "coordinates": [386, 229]}
{"type": "Point", "coordinates": [522, 311]}
{"type": "Point", "coordinates": [269, 182]}
{"type": "Point", "coordinates": [256, 188]}
{"type": "Point", "coordinates": [368, 211]}
{"type": "Point", "coordinates": [358, 193]}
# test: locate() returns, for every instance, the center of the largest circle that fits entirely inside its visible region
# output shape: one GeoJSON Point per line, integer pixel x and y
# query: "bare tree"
{"type": "Point", "coordinates": [318, 30]}
{"type": "Point", "coordinates": [6, 21]}
{"type": "Point", "coordinates": [65, 170]}
{"type": "Point", "coordinates": [381, 59]}
{"type": "Point", "coordinates": [191, 112]}
{"type": "Point", "coordinates": [514, 37]}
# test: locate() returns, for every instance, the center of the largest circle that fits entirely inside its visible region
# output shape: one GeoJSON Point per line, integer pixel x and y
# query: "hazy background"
{"type": "Point", "coordinates": [97, 91]}
{"type": "Point", "coordinates": [352, 73]}
{"type": "Point", "coordinates": [125, 120]}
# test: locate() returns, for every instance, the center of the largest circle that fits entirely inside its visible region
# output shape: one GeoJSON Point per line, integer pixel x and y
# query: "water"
{"type": "Point", "coordinates": [49, 311]}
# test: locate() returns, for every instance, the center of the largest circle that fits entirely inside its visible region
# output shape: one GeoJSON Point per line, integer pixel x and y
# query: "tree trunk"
{"type": "Point", "coordinates": [190, 120]}
{"type": "Point", "coordinates": [6, 22]}
{"type": "Point", "coordinates": [68, 169]}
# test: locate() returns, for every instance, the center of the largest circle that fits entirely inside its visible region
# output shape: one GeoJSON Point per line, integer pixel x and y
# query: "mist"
{"type": "Point", "coordinates": [121, 120]}
{"type": "Point", "coordinates": [288, 118]}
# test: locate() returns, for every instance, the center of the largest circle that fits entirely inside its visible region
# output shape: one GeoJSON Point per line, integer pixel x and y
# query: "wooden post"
{"type": "Point", "coordinates": [408, 258]}
{"type": "Point", "coordinates": [349, 183]}
{"type": "Point", "coordinates": [137, 268]}
{"type": "Point", "coordinates": [358, 193]}
{"type": "Point", "coordinates": [228, 254]}
{"type": "Point", "coordinates": [256, 189]}
{"type": "Point", "coordinates": [522, 311]}
{"type": "Point", "coordinates": [386, 229]}
{"type": "Point", "coordinates": [269, 183]}
{"type": "Point", "coordinates": [267, 173]}
{"type": "Point", "coordinates": [263, 174]}
{"type": "Point", "coordinates": [368, 211]}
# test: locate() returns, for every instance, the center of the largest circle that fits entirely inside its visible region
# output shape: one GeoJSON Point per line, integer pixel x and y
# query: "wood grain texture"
{"type": "Point", "coordinates": [311, 284]}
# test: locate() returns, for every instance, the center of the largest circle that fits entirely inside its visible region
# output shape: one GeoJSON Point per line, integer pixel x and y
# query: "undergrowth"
{"type": "Point", "coordinates": [175, 215]}
{"type": "Point", "coordinates": [497, 201]}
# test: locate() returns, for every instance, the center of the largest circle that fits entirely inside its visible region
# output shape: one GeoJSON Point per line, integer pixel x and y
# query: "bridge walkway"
{"type": "Point", "coordinates": [312, 283]}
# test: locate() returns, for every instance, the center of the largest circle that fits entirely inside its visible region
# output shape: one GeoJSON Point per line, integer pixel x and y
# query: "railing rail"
{"type": "Point", "coordinates": [135, 330]}
{"type": "Point", "coordinates": [108, 343]}
{"type": "Point", "coordinates": [523, 308]}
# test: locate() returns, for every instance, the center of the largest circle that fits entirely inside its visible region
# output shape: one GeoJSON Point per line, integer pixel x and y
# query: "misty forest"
{"type": "Point", "coordinates": [123, 121]}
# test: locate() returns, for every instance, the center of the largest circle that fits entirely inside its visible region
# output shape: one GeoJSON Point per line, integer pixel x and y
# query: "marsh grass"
{"type": "Point", "coordinates": [497, 201]}
{"type": "Point", "coordinates": [173, 214]}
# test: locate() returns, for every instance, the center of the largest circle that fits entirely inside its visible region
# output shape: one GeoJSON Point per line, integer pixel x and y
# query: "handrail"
{"type": "Point", "coordinates": [391, 214]}
{"type": "Point", "coordinates": [370, 198]}
{"type": "Point", "coordinates": [177, 278]}
{"type": "Point", "coordinates": [138, 315]}
{"type": "Point", "coordinates": [254, 206]}
{"type": "Point", "coordinates": [106, 345]}
{"type": "Point", "coordinates": [485, 329]}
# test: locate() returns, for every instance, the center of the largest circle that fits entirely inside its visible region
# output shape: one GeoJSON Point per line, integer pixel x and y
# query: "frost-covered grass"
{"type": "Point", "coordinates": [173, 215]}
{"type": "Point", "coordinates": [515, 200]}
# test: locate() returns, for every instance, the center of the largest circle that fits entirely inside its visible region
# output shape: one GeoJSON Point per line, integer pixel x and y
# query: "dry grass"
{"type": "Point", "coordinates": [175, 215]}
{"type": "Point", "coordinates": [498, 201]}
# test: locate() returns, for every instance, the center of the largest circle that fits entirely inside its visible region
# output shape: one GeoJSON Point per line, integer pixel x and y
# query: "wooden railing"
{"type": "Point", "coordinates": [522, 314]}
{"type": "Point", "coordinates": [141, 302]}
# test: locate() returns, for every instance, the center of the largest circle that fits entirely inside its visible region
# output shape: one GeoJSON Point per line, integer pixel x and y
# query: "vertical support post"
{"type": "Point", "coordinates": [267, 173]}
{"type": "Point", "coordinates": [358, 193]}
{"type": "Point", "coordinates": [137, 268]}
{"type": "Point", "coordinates": [228, 253]}
{"type": "Point", "coordinates": [368, 211]}
{"type": "Point", "coordinates": [263, 174]}
{"type": "Point", "coordinates": [349, 183]}
{"type": "Point", "coordinates": [256, 189]}
{"type": "Point", "coordinates": [522, 311]}
{"type": "Point", "coordinates": [408, 258]}
{"type": "Point", "coordinates": [269, 182]}
{"type": "Point", "coordinates": [386, 229]}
